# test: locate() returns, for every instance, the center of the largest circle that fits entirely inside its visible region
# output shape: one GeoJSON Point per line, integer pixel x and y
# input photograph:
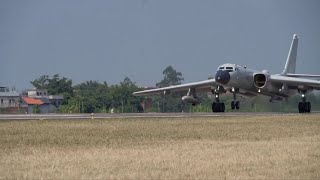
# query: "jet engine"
{"type": "Point", "coordinates": [260, 80]}
{"type": "Point", "coordinates": [190, 99]}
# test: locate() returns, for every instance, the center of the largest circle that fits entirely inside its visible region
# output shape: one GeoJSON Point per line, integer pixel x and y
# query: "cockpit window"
{"type": "Point", "coordinates": [229, 69]}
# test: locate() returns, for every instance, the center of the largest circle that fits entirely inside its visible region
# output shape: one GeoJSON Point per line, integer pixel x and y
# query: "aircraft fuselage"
{"type": "Point", "coordinates": [243, 78]}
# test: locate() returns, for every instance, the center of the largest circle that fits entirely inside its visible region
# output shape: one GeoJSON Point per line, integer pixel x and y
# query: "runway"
{"type": "Point", "coordinates": [139, 115]}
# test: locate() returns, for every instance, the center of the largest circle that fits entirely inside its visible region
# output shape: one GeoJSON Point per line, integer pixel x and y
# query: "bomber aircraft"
{"type": "Point", "coordinates": [246, 82]}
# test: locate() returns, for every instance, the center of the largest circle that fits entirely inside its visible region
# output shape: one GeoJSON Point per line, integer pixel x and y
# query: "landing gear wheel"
{"type": "Point", "coordinates": [301, 107]}
{"type": "Point", "coordinates": [235, 105]}
{"type": "Point", "coordinates": [222, 107]}
{"type": "Point", "coordinates": [304, 107]}
{"type": "Point", "coordinates": [213, 107]}
{"type": "Point", "coordinates": [218, 107]}
{"type": "Point", "coordinates": [307, 107]}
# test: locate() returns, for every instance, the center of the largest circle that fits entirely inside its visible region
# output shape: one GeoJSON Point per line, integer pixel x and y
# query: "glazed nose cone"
{"type": "Point", "coordinates": [222, 77]}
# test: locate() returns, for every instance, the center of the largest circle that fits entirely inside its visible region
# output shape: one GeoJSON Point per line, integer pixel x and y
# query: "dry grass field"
{"type": "Point", "coordinates": [269, 147]}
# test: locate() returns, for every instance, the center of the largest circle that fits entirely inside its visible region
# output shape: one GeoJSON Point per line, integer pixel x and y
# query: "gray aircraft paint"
{"type": "Point", "coordinates": [231, 76]}
{"type": "Point", "coordinates": [290, 66]}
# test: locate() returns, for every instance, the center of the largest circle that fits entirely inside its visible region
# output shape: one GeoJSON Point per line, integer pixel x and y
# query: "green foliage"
{"type": "Point", "coordinates": [55, 85]}
{"type": "Point", "coordinates": [171, 77]}
{"type": "Point", "coordinates": [92, 96]}
{"type": "Point", "coordinates": [36, 109]}
{"type": "Point", "coordinates": [169, 102]}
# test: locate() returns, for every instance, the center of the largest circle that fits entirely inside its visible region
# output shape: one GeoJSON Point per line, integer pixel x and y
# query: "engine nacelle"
{"type": "Point", "coordinates": [260, 80]}
{"type": "Point", "coordinates": [190, 99]}
{"type": "Point", "coordinates": [262, 83]}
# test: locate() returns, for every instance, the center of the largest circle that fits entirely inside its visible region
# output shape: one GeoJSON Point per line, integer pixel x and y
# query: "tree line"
{"type": "Point", "coordinates": [93, 96]}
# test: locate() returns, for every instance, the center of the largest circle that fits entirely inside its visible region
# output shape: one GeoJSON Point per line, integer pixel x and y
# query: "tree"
{"type": "Point", "coordinates": [54, 85]}
{"type": "Point", "coordinates": [41, 83]}
{"type": "Point", "coordinates": [171, 77]}
{"type": "Point", "coordinates": [92, 96]}
{"type": "Point", "coordinates": [128, 102]}
{"type": "Point", "coordinates": [170, 102]}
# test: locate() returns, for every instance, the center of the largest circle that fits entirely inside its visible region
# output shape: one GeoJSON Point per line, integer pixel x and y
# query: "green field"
{"type": "Point", "coordinates": [254, 147]}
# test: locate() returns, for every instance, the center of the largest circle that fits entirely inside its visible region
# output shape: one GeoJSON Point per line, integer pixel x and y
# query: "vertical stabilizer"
{"type": "Point", "coordinates": [290, 66]}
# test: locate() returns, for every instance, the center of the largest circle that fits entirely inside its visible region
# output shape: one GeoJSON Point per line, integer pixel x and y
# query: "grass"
{"type": "Point", "coordinates": [268, 147]}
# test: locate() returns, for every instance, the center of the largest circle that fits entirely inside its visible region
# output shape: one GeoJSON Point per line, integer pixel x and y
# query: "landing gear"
{"type": "Point", "coordinates": [217, 106]}
{"type": "Point", "coordinates": [304, 106]}
{"type": "Point", "coordinates": [235, 104]}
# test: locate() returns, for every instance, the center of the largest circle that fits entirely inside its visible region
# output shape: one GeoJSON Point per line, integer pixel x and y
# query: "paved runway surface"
{"type": "Point", "coordinates": [137, 115]}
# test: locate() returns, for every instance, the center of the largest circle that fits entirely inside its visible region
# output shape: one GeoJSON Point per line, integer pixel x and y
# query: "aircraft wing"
{"type": "Point", "coordinates": [307, 76]}
{"type": "Point", "coordinates": [200, 85]}
{"type": "Point", "coordinates": [295, 82]}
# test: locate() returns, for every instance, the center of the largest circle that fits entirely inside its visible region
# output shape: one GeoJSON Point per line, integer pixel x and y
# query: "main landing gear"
{"type": "Point", "coordinates": [235, 104]}
{"type": "Point", "coordinates": [304, 106]}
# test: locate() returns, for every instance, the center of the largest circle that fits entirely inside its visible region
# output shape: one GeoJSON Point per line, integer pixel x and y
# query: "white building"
{"type": "Point", "coordinates": [9, 99]}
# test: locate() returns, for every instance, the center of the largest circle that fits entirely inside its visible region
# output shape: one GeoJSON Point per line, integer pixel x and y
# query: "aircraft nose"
{"type": "Point", "coordinates": [222, 77]}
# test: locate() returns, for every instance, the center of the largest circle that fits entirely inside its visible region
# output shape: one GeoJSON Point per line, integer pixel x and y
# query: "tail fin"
{"type": "Point", "coordinates": [290, 66]}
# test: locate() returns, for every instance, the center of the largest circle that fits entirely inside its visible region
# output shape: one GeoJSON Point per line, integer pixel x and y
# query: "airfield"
{"type": "Point", "coordinates": [140, 115]}
{"type": "Point", "coordinates": [160, 146]}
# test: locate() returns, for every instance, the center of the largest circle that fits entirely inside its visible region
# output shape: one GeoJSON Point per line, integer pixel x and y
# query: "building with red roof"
{"type": "Point", "coordinates": [38, 101]}
{"type": "Point", "coordinates": [32, 101]}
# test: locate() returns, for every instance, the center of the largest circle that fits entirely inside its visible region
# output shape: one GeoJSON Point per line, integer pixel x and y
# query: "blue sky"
{"type": "Point", "coordinates": [107, 40]}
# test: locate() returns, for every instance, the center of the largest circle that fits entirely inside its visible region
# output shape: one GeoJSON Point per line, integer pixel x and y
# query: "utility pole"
{"type": "Point", "coordinates": [122, 106]}
{"type": "Point", "coordinates": [82, 107]}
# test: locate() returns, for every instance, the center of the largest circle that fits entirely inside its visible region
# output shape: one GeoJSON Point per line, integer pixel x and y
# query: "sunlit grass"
{"type": "Point", "coordinates": [177, 148]}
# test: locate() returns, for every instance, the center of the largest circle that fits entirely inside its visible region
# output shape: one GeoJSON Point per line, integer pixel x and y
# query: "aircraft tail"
{"type": "Point", "coordinates": [290, 66]}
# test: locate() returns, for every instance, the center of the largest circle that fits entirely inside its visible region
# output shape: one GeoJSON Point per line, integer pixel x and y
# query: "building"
{"type": "Point", "coordinates": [37, 93]}
{"type": "Point", "coordinates": [9, 100]}
{"type": "Point", "coordinates": [39, 101]}
{"type": "Point", "coordinates": [43, 94]}
{"type": "Point", "coordinates": [34, 105]}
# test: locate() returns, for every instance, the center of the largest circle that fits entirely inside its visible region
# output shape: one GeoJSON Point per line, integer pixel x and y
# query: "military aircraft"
{"type": "Point", "coordinates": [246, 82]}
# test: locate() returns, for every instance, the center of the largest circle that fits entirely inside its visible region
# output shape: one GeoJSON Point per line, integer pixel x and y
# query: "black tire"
{"type": "Point", "coordinates": [140, 109]}
{"type": "Point", "coordinates": [222, 107]}
{"type": "Point", "coordinates": [218, 107]}
{"type": "Point", "coordinates": [232, 105]}
{"type": "Point", "coordinates": [301, 107]}
{"type": "Point", "coordinates": [237, 105]}
{"type": "Point", "coordinates": [213, 107]}
{"type": "Point", "coordinates": [307, 107]}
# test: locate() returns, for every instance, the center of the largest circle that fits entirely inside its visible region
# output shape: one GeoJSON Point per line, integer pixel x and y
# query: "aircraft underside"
{"type": "Point", "coordinates": [304, 106]}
